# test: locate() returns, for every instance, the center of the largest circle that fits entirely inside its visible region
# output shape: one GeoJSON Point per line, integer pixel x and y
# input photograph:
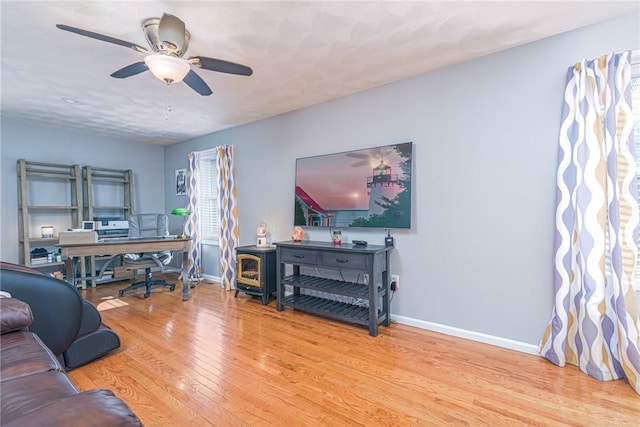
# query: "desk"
{"type": "Point", "coordinates": [126, 246]}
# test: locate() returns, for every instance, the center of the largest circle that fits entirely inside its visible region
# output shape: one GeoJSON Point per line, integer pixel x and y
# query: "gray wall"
{"type": "Point", "coordinates": [479, 254]}
{"type": "Point", "coordinates": [41, 143]}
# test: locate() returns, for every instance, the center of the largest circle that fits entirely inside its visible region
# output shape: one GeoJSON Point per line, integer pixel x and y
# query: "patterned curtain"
{"type": "Point", "coordinates": [594, 324]}
{"type": "Point", "coordinates": [192, 224]}
{"type": "Point", "coordinates": [227, 204]}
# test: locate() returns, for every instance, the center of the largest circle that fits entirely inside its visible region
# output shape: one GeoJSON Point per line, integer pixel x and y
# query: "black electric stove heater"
{"type": "Point", "coordinates": [256, 275]}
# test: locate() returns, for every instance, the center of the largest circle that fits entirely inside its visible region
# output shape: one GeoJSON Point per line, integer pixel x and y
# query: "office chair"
{"type": "Point", "coordinates": [148, 225]}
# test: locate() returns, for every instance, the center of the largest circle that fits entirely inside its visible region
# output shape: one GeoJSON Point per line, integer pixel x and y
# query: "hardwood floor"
{"type": "Point", "coordinates": [224, 361]}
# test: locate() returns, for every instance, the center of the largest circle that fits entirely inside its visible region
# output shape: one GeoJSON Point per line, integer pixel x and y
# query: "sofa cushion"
{"type": "Point", "coordinates": [31, 392]}
{"type": "Point", "coordinates": [16, 315]}
{"type": "Point", "coordinates": [22, 354]}
{"type": "Point", "coordinates": [91, 408]}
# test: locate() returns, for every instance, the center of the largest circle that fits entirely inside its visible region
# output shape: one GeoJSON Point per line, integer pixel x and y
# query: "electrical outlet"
{"type": "Point", "coordinates": [395, 279]}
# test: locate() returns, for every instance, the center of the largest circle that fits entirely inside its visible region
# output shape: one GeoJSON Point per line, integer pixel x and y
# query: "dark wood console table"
{"type": "Point", "coordinates": [371, 260]}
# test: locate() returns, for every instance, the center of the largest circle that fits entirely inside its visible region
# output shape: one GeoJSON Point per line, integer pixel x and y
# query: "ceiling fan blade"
{"type": "Point", "coordinates": [220, 65]}
{"type": "Point", "coordinates": [196, 83]}
{"type": "Point", "coordinates": [130, 70]}
{"type": "Point", "coordinates": [171, 31]}
{"type": "Point", "coordinates": [102, 37]}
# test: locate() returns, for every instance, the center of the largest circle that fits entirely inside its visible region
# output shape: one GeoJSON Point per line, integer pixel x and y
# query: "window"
{"type": "Point", "coordinates": [207, 190]}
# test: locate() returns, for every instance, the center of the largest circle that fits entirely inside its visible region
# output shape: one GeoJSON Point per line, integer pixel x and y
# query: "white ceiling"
{"type": "Point", "coordinates": [302, 53]}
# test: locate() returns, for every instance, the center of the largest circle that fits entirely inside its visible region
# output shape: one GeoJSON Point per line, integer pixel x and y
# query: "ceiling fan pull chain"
{"type": "Point", "coordinates": [166, 117]}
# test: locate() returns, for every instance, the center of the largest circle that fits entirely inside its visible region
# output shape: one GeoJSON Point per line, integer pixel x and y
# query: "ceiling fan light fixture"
{"type": "Point", "coordinates": [167, 68]}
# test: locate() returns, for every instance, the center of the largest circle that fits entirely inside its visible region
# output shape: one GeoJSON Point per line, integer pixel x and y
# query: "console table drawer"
{"type": "Point", "coordinates": [344, 260]}
{"type": "Point", "coordinates": [299, 256]}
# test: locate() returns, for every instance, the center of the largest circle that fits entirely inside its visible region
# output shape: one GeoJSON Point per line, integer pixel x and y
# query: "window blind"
{"type": "Point", "coordinates": [208, 197]}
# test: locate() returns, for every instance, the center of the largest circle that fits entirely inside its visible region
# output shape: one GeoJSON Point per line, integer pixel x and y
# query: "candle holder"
{"type": "Point", "coordinates": [261, 231]}
{"type": "Point", "coordinates": [47, 231]}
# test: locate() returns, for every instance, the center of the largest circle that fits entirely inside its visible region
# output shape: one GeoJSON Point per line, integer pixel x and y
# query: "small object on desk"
{"type": "Point", "coordinates": [359, 242]}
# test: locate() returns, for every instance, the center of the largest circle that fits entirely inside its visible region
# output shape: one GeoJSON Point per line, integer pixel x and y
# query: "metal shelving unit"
{"type": "Point", "coordinates": [33, 180]}
{"type": "Point", "coordinates": [120, 180]}
{"type": "Point", "coordinates": [107, 193]}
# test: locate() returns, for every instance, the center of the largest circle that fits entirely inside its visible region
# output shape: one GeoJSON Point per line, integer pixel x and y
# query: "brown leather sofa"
{"type": "Point", "coordinates": [34, 388]}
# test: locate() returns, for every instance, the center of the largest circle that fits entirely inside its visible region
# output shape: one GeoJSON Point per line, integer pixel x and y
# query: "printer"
{"type": "Point", "coordinates": [110, 226]}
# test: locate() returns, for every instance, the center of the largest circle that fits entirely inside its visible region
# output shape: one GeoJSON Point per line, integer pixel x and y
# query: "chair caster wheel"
{"type": "Point", "coordinates": [147, 295]}
{"type": "Point", "coordinates": [172, 287]}
{"type": "Point", "coordinates": [120, 293]}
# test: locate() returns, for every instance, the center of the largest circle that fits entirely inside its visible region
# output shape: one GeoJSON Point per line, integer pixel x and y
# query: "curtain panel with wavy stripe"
{"type": "Point", "coordinates": [594, 324]}
{"type": "Point", "coordinates": [192, 224]}
{"type": "Point", "coordinates": [229, 233]}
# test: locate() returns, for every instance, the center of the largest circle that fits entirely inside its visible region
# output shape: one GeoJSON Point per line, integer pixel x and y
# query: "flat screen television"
{"type": "Point", "coordinates": [362, 188]}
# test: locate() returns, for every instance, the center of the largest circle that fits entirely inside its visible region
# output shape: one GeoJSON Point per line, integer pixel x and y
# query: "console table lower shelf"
{"type": "Point", "coordinates": [335, 309]}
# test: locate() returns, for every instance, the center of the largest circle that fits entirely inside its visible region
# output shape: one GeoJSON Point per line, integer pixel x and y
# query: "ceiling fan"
{"type": "Point", "coordinates": [169, 41]}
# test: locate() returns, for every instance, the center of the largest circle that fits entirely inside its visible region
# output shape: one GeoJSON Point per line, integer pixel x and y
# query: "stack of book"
{"type": "Point", "coordinates": [40, 260]}
{"type": "Point", "coordinates": [40, 256]}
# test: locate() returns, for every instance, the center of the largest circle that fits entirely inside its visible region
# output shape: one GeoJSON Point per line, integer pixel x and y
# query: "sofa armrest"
{"type": "Point", "coordinates": [15, 315]}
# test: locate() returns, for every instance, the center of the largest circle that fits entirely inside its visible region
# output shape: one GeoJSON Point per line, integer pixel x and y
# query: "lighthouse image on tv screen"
{"type": "Point", "coordinates": [362, 188]}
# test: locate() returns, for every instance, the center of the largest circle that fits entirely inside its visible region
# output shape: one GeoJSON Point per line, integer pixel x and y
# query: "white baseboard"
{"type": "Point", "coordinates": [448, 330]}
{"type": "Point", "coordinates": [210, 278]}
{"type": "Point", "coordinates": [470, 335]}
